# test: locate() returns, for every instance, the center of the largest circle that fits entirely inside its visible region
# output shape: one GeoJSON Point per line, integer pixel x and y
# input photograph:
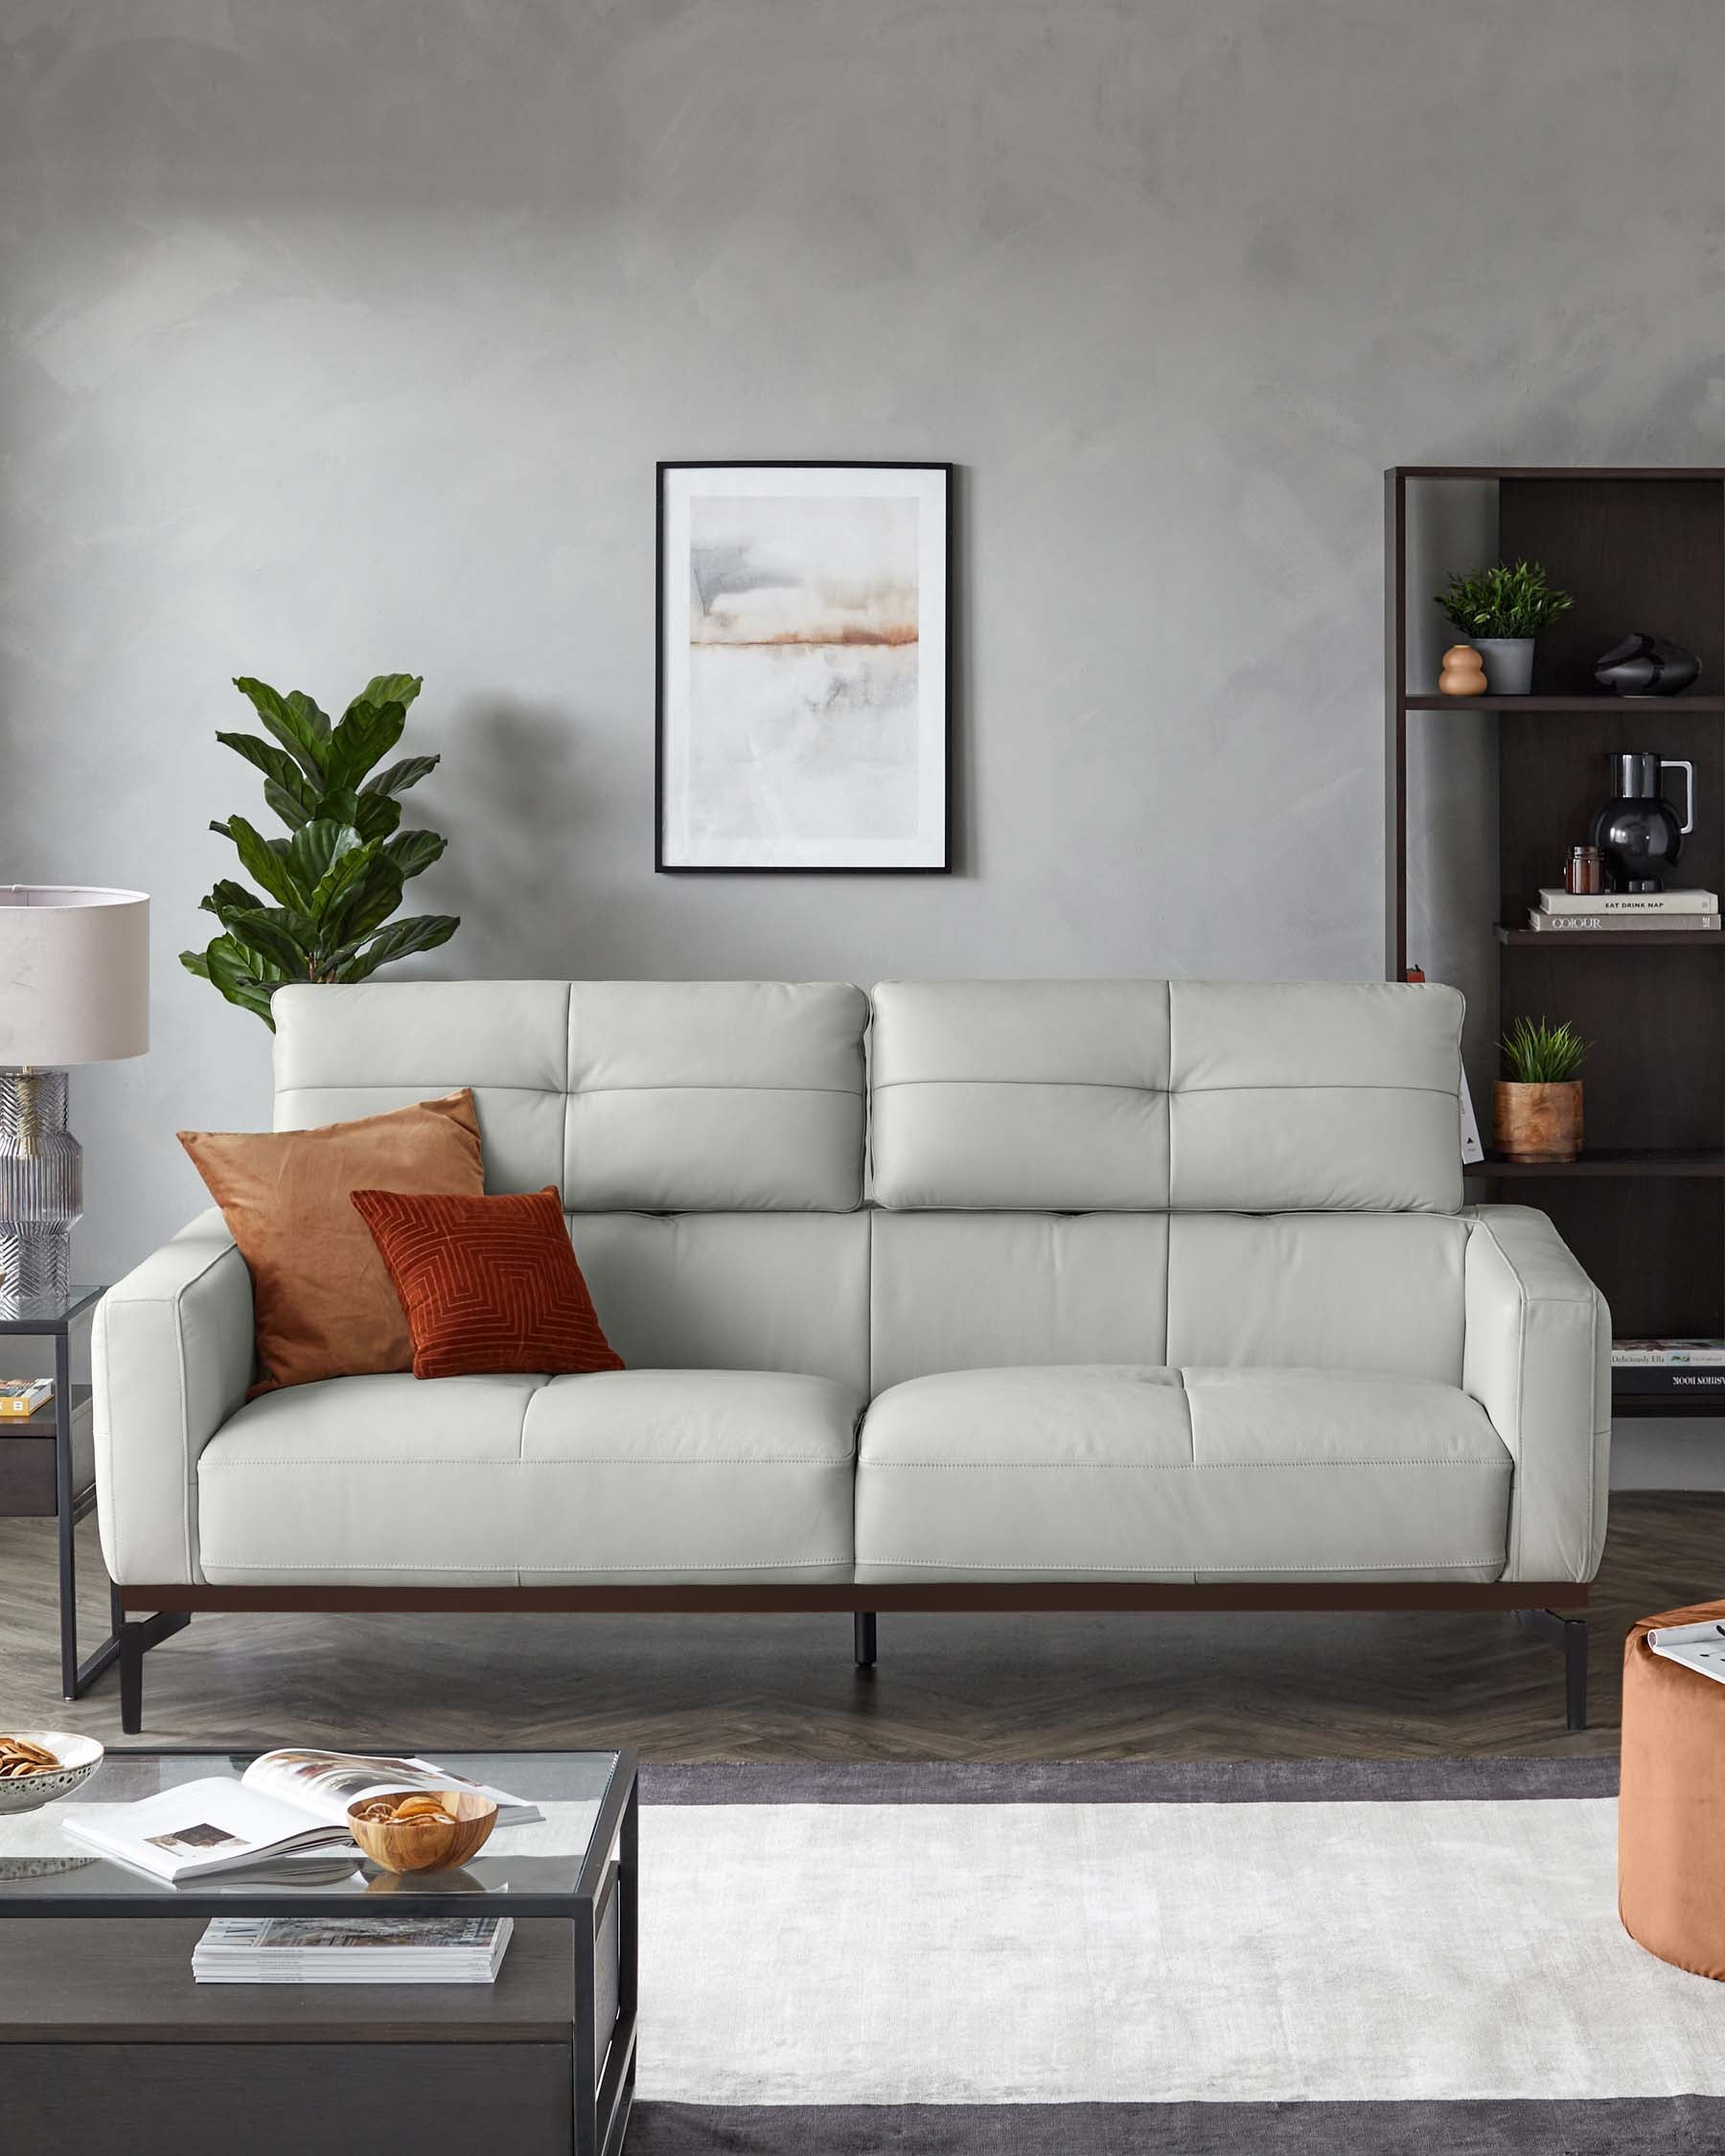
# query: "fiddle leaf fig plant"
{"type": "Point", "coordinates": [324, 895]}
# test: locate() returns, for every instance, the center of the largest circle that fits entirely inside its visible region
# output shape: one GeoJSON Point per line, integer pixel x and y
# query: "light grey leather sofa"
{"type": "Point", "coordinates": [1072, 1294]}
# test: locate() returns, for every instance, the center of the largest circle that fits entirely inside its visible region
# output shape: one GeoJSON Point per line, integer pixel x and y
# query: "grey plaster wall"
{"type": "Point", "coordinates": [342, 336]}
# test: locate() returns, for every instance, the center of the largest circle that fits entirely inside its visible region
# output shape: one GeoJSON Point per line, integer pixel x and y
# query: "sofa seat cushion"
{"type": "Point", "coordinates": [1136, 1472]}
{"type": "Point", "coordinates": [644, 1477]}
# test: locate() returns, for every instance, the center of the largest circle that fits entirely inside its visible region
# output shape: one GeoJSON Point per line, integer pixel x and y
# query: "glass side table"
{"type": "Point", "coordinates": [102, 2023]}
{"type": "Point", "coordinates": [47, 1470]}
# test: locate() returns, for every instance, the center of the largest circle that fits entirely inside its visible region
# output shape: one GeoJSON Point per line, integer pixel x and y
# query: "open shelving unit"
{"type": "Point", "coordinates": [1644, 1207]}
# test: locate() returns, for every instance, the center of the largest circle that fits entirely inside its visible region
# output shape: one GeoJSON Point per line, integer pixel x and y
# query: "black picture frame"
{"type": "Point", "coordinates": [667, 466]}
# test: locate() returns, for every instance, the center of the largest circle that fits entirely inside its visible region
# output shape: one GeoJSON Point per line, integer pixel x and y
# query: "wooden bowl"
{"type": "Point", "coordinates": [424, 1845]}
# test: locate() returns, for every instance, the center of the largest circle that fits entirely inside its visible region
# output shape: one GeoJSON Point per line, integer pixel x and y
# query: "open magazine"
{"type": "Point", "coordinates": [285, 1802]}
{"type": "Point", "coordinates": [1700, 1647]}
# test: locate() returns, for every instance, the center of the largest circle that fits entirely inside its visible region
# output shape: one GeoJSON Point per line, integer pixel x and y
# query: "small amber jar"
{"type": "Point", "coordinates": [1584, 872]}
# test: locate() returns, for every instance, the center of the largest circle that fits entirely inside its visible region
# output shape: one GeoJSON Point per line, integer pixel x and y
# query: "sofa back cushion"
{"type": "Point", "coordinates": [732, 1290]}
{"type": "Point", "coordinates": [1222, 1291]}
{"type": "Point", "coordinates": [1181, 1096]}
{"type": "Point", "coordinates": [657, 1096]}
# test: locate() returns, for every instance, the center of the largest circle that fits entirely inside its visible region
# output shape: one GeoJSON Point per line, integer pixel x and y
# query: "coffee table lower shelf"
{"type": "Point", "coordinates": [105, 2042]}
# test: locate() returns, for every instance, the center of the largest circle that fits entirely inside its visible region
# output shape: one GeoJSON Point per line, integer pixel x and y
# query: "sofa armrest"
{"type": "Point", "coordinates": [170, 1360]}
{"type": "Point", "coordinates": [1537, 1357]}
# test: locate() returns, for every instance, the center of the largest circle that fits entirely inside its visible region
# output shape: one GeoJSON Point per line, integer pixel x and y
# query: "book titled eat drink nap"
{"type": "Point", "coordinates": [1554, 901]}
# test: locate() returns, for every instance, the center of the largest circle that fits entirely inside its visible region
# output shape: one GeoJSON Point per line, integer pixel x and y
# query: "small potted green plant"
{"type": "Point", "coordinates": [1536, 1104]}
{"type": "Point", "coordinates": [1501, 611]}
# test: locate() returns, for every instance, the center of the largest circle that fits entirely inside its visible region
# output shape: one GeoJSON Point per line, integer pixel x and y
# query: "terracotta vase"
{"type": "Point", "coordinates": [1537, 1122]}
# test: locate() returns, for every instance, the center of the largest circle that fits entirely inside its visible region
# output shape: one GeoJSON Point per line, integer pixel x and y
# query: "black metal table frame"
{"type": "Point", "coordinates": [72, 1506]}
{"type": "Point", "coordinates": [604, 2090]}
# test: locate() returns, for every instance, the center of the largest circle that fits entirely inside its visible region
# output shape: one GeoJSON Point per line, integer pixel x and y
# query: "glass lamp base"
{"type": "Point", "coordinates": [41, 1188]}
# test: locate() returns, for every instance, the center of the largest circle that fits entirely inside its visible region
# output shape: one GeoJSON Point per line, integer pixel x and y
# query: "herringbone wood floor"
{"type": "Point", "coordinates": [995, 1688]}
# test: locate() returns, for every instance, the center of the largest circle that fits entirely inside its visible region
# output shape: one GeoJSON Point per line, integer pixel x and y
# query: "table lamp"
{"type": "Point", "coordinates": [74, 988]}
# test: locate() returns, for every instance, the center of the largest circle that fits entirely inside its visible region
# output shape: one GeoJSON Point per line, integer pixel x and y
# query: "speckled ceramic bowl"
{"type": "Point", "coordinates": [79, 1758]}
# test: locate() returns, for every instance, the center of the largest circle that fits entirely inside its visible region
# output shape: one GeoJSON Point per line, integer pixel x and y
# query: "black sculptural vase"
{"type": "Point", "coordinates": [1646, 666]}
{"type": "Point", "coordinates": [1636, 830]}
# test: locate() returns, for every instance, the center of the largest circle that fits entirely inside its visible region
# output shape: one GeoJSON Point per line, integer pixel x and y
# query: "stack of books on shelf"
{"type": "Point", "coordinates": [1561, 912]}
{"type": "Point", "coordinates": [1668, 1368]}
{"type": "Point", "coordinates": [352, 1950]}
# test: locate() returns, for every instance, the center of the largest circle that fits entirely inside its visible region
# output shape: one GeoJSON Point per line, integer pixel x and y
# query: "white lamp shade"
{"type": "Point", "coordinates": [73, 975]}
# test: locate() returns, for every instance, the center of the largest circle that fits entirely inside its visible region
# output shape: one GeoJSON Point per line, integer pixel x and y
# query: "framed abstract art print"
{"type": "Point", "coordinates": [804, 667]}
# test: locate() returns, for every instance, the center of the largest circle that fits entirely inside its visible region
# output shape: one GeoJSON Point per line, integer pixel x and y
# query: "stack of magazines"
{"type": "Point", "coordinates": [1670, 1367]}
{"type": "Point", "coordinates": [1634, 912]}
{"type": "Point", "coordinates": [352, 1950]}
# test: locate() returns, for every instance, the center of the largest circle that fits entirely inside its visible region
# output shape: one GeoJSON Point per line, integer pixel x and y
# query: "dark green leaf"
{"type": "Point", "coordinates": [276, 766]}
{"type": "Point", "coordinates": [290, 811]}
{"type": "Point", "coordinates": [305, 708]}
{"type": "Point", "coordinates": [365, 904]}
{"type": "Point", "coordinates": [421, 931]}
{"type": "Point", "coordinates": [229, 894]}
{"type": "Point", "coordinates": [292, 720]}
{"type": "Point", "coordinates": [311, 852]}
{"type": "Point", "coordinates": [387, 688]}
{"type": "Point", "coordinates": [194, 962]}
{"type": "Point", "coordinates": [266, 866]}
{"type": "Point", "coordinates": [376, 815]}
{"type": "Point", "coordinates": [414, 851]}
{"type": "Point", "coordinates": [367, 731]}
{"type": "Point", "coordinates": [399, 777]}
{"type": "Point", "coordinates": [339, 890]}
{"type": "Point", "coordinates": [229, 965]}
{"type": "Point", "coordinates": [264, 934]}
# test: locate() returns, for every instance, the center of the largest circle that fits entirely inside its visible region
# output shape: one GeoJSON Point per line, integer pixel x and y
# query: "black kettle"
{"type": "Point", "coordinates": [1636, 830]}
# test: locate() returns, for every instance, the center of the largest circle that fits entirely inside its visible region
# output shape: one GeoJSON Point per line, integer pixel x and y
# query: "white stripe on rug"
{"type": "Point", "coordinates": [850, 1954]}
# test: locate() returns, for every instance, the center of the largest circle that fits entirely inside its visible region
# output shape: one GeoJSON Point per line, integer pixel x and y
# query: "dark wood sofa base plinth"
{"type": "Point", "coordinates": [170, 1607]}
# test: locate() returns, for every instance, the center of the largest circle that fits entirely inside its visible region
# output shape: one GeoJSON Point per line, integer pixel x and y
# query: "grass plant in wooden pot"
{"type": "Point", "coordinates": [1536, 1104]}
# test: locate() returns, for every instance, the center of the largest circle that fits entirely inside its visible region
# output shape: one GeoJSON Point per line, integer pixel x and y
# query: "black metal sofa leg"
{"type": "Point", "coordinates": [1570, 1634]}
{"type": "Point", "coordinates": [865, 1636]}
{"type": "Point", "coordinates": [136, 1637]}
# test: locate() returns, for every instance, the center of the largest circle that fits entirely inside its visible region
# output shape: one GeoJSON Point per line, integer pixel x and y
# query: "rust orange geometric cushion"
{"type": "Point", "coordinates": [487, 1283]}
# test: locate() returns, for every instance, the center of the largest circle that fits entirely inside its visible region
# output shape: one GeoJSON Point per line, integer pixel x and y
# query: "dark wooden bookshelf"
{"type": "Point", "coordinates": [1613, 939]}
{"type": "Point", "coordinates": [1640, 548]}
{"type": "Point", "coordinates": [1603, 1160]}
{"type": "Point", "coordinates": [1630, 1406]}
{"type": "Point", "coordinates": [1594, 702]}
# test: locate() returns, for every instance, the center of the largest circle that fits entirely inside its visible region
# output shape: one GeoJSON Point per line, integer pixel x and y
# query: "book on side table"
{"type": "Point", "coordinates": [361, 1950]}
{"type": "Point", "coordinates": [1668, 1368]}
{"type": "Point", "coordinates": [285, 1802]}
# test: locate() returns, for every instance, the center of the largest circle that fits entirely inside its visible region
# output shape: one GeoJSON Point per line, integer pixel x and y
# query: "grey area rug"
{"type": "Point", "coordinates": [1090, 1959]}
{"type": "Point", "coordinates": [1674, 2127]}
{"type": "Point", "coordinates": [1131, 1781]}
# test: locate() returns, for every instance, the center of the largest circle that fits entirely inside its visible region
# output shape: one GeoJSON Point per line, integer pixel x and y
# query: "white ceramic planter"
{"type": "Point", "coordinates": [1508, 662]}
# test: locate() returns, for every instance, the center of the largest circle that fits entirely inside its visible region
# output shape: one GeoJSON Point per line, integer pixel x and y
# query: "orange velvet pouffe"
{"type": "Point", "coordinates": [1671, 1803]}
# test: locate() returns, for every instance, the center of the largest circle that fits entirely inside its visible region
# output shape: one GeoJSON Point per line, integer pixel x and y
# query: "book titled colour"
{"type": "Point", "coordinates": [1618, 924]}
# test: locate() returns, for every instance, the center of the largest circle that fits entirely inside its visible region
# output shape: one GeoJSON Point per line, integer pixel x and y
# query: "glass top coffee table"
{"type": "Point", "coordinates": [100, 1962]}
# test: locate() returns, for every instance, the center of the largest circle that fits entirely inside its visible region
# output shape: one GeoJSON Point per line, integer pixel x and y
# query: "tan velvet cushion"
{"type": "Point", "coordinates": [325, 1305]}
{"type": "Point", "coordinates": [1671, 1803]}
